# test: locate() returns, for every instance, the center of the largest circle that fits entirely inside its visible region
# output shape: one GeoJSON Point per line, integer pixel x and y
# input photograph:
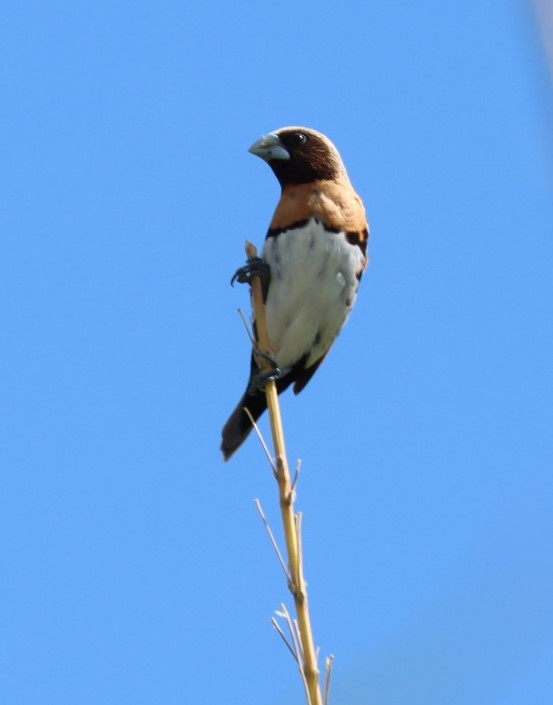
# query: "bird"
{"type": "Point", "coordinates": [315, 254]}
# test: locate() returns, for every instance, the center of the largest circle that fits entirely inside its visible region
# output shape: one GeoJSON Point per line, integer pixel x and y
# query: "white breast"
{"type": "Point", "coordinates": [314, 281]}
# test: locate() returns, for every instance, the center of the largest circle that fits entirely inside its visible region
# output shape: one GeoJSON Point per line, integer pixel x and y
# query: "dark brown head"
{"type": "Point", "coordinates": [298, 155]}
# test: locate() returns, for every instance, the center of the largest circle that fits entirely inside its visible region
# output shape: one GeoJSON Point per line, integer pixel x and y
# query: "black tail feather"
{"type": "Point", "coordinates": [239, 426]}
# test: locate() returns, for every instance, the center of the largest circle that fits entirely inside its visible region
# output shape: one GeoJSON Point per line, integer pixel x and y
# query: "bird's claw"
{"type": "Point", "coordinates": [254, 267]}
{"type": "Point", "coordinates": [262, 376]}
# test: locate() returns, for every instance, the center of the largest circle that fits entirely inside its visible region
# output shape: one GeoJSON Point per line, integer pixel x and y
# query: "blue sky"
{"type": "Point", "coordinates": [134, 565]}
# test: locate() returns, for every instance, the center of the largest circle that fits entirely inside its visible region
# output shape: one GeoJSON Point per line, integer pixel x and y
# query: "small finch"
{"type": "Point", "coordinates": [315, 254]}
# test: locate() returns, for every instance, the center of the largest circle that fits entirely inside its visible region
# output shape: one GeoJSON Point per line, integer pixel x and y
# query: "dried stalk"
{"type": "Point", "coordinates": [297, 584]}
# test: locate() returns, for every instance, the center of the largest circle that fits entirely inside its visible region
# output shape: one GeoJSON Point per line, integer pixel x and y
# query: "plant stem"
{"type": "Point", "coordinates": [298, 586]}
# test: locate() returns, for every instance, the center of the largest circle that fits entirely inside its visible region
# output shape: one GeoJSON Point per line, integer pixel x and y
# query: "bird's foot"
{"type": "Point", "coordinates": [254, 267]}
{"type": "Point", "coordinates": [260, 378]}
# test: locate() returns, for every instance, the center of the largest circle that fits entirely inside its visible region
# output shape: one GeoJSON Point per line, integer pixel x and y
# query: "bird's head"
{"type": "Point", "coordinates": [299, 155]}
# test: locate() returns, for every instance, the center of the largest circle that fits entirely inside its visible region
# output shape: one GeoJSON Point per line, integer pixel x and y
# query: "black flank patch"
{"type": "Point", "coordinates": [274, 232]}
{"type": "Point", "coordinates": [359, 239]}
{"type": "Point", "coordinates": [332, 230]}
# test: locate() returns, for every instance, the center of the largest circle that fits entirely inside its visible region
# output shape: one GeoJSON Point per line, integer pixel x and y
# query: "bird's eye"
{"type": "Point", "coordinates": [298, 138]}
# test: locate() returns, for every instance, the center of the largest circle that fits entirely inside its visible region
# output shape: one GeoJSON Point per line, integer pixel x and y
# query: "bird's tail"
{"type": "Point", "coordinates": [238, 427]}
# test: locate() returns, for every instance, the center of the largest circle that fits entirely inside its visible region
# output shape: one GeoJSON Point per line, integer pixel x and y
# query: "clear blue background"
{"type": "Point", "coordinates": [134, 567]}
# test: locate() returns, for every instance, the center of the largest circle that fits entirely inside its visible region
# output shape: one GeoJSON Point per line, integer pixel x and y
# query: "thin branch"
{"type": "Point", "coordinates": [329, 664]}
{"type": "Point", "coordinates": [296, 640]}
{"type": "Point", "coordinates": [298, 522]}
{"type": "Point", "coordinates": [296, 475]}
{"type": "Point", "coordinates": [273, 540]}
{"type": "Point", "coordinates": [262, 440]}
{"type": "Point", "coordinates": [294, 636]}
{"type": "Point", "coordinates": [247, 327]}
{"type": "Point", "coordinates": [302, 665]}
{"type": "Point", "coordinates": [277, 626]}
